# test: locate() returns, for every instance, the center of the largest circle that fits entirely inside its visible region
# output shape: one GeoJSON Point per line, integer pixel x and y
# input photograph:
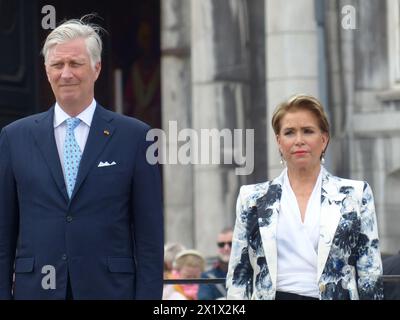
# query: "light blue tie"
{"type": "Point", "coordinates": [72, 155]}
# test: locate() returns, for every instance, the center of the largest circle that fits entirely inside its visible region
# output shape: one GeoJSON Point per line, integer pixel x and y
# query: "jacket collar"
{"type": "Point", "coordinates": [331, 199]}
{"type": "Point", "coordinates": [268, 207]}
{"type": "Point", "coordinates": [100, 134]}
{"type": "Point", "coordinates": [43, 133]}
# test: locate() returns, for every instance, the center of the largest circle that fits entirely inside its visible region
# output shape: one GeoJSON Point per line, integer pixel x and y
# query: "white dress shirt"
{"type": "Point", "coordinates": [81, 131]}
{"type": "Point", "coordinates": [297, 242]}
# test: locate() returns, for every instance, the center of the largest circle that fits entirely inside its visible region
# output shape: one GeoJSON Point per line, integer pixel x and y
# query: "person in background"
{"type": "Point", "coordinates": [305, 235]}
{"type": "Point", "coordinates": [188, 264]}
{"type": "Point", "coordinates": [219, 270]}
{"type": "Point", "coordinates": [143, 87]}
{"type": "Point", "coordinates": [391, 266]}
{"type": "Point", "coordinates": [171, 250]}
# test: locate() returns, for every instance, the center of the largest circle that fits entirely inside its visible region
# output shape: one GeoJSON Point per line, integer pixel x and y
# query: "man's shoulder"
{"type": "Point", "coordinates": [214, 272]}
{"type": "Point", "coordinates": [26, 122]}
{"type": "Point", "coordinates": [391, 265]}
{"type": "Point", "coordinates": [208, 273]}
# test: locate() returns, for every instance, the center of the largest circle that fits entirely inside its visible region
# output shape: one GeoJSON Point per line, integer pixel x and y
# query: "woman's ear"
{"type": "Point", "coordinates": [278, 140]}
{"type": "Point", "coordinates": [325, 141]}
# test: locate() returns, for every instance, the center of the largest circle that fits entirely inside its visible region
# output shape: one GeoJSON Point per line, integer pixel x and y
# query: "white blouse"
{"type": "Point", "coordinates": [297, 242]}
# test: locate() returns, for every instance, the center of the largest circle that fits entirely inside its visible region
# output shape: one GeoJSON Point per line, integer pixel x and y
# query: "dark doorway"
{"type": "Point", "coordinates": [18, 68]}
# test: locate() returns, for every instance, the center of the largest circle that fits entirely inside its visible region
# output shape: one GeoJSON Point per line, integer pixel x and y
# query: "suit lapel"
{"type": "Point", "coordinates": [331, 200]}
{"type": "Point", "coordinates": [100, 134]}
{"type": "Point", "coordinates": [268, 207]}
{"type": "Point", "coordinates": [43, 134]}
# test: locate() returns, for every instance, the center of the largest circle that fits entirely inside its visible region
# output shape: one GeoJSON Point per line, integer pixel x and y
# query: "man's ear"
{"type": "Point", "coordinates": [97, 69]}
{"type": "Point", "coordinates": [47, 73]}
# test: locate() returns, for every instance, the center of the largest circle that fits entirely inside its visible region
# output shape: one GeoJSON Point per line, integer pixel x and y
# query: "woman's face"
{"type": "Point", "coordinates": [300, 140]}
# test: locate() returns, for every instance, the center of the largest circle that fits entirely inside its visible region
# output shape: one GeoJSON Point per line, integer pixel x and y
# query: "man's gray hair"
{"type": "Point", "coordinates": [73, 29]}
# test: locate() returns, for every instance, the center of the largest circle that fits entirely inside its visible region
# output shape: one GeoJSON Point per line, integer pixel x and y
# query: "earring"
{"type": "Point", "coordinates": [323, 158]}
{"type": "Point", "coordinates": [282, 161]}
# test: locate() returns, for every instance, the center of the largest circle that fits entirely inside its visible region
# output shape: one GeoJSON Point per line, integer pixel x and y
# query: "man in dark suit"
{"type": "Point", "coordinates": [80, 206]}
{"type": "Point", "coordinates": [391, 266]}
{"type": "Point", "coordinates": [219, 269]}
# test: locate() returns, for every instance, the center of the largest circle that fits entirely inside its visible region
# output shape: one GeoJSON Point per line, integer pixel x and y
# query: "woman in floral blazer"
{"type": "Point", "coordinates": [306, 234]}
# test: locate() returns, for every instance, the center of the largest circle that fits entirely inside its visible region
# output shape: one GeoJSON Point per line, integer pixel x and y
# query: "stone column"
{"type": "Point", "coordinates": [220, 72]}
{"type": "Point", "coordinates": [255, 111]}
{"type": "Point", "coordinates": [292, 60]}
{"type": "Point", "coordinates": [176, 109]}
{"type": "Point", "coordinates": [375, 113]}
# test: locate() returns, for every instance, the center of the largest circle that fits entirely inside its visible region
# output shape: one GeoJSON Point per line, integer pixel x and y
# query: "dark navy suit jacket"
{"type": "Point", "coordinates": [108, 238]}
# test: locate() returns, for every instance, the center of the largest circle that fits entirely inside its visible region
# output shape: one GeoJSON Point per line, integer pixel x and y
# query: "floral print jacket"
{"type": "Point", "coordinates": [349, 261]}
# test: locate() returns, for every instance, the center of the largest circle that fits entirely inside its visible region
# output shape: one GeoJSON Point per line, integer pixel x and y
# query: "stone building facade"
{"type": "Point", "coordinates": [226, 64]}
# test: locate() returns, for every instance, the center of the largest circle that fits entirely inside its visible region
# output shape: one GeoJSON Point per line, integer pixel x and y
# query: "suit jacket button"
{"type": "Point", "coordinates": [322, 287]}
{"type": "Point", "coordinates": [64, 257]}
{"type": "Point", "coordinates": [69, 218]}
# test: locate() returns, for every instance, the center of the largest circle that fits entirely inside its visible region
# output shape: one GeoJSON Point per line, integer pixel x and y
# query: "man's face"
{"type": "Point", "coordinates": [71, 74]}
{"type": "Point", "coordinates": [224, 242]}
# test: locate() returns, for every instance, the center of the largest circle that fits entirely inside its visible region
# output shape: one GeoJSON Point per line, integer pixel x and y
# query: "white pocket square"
{"type": "Point", "coordinates": [106, 164]}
